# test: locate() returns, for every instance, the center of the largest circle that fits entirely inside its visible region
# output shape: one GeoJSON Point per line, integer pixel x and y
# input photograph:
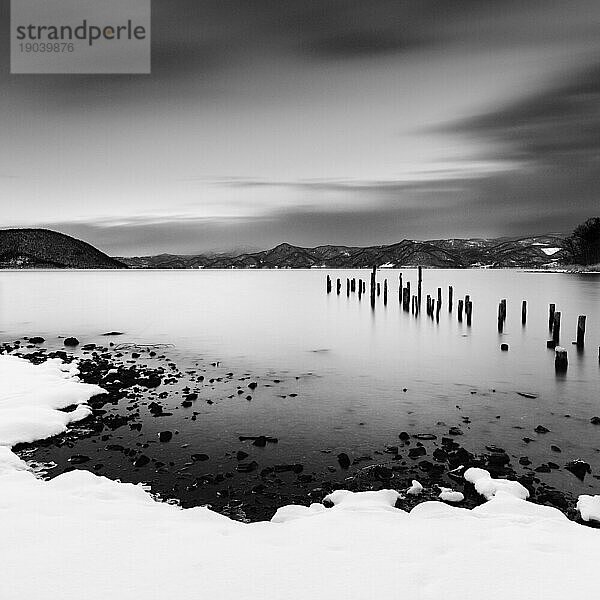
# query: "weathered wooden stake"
{"type": "Point", "coordinates": [406, 297]}
{"type": "Point", "coordinates": [385, 290]}
{"type": "Point", "coordinates": [460, 309]}
{"type": "Point", "coordinates": [347, 286]}
{"type": "Point", "coordinates": [500, 319]}
{"type": "Point", "coordinates": [353, 285]}
{"type": "Point", "coordinates": [439, 302]}
{"type": "Point", "coordinates": [556, 328]}
{"type": "Point", "coordinates": [580, 331]}
{"type": "Point", "coordinates": [328, 284]}
{"type": "Point", "coordinates": [378, 288]}
{"type": "Point", "coordinates": [339, 286]}
{"type": "Point", "coordinates": [551, 316]}
{"type": "Point", "coordinates": [469, 312]}
{"type": "Point", "coordinates": [428, 305]}
{"type": "Point", "coordinates": [450, 297]}
{"type": "Point", "coordinates": [524, 312]}
{"type": "Point", "coordinates": [360, 288]}
{"type": "Point", "coordinates": [400, 288]}
{"type": "Point", "coordinates": [419, 286]}
{"type": "Point", "coordinates": [373, 286]}
{"type": "Point", "coordinates": [560, 359]}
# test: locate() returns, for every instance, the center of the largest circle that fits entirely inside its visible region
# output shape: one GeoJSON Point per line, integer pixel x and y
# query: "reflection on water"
{"type": "Point", "coordinates": [352, 363]}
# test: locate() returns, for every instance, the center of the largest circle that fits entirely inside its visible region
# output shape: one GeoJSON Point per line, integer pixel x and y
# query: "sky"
{"type": "Point", "coordinates": [315, 122]}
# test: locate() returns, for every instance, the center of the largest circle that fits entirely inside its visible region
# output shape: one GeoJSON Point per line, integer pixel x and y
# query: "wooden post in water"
{"type": "Point", "coordinates": [347, 286]}
{"type": "Point", "coordinates": [500, 310]}
{"type": "Point", "coordinates": [360, 288]}
{"type": "Point", "coordinates": [373, 275]}
{"type": "Point", "coordinates": [551, 316]}
{"type": "Point", "coordinates": [400, 288]}
{"type": "Point", "coordinates": [353, 285]}
{"type": "Point", "coordinates": [339, 286]}
{"type": "Point", "coordinates": [460, 309]}
{"type": "Point", "coordinates": [385, 288]}
{"type": "Point", "coordinates": [378, 288]}
{"type": "Point", "coordinates": [419, 286]}
{"type": "Point", "coordinates": [328, 284]}
{"type": "Point", "coordinates": [503, 303]}
{"type": "Point", "coordinates": [556, 328]}
{"type": "Point", "coordinates": [580, 331]}
{"type": "Point", "coordinates": [524, 312]}
{"type": "Point", "coordinates": [439, 302]}
{"type": "Point", "coordinates": [450, 297]}
{"type": "Point", "coordinates": [428, 305]}
{"type": "Point", "coordinates": [469, 312]}
{"type": "Point", "coordinates": [560, 359]}
{"type": "Point", "coordinates": [406, 297]}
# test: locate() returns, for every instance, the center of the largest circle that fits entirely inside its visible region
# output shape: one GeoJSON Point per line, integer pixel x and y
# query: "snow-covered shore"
{"type": "Point", "coordinates": [87, 537]}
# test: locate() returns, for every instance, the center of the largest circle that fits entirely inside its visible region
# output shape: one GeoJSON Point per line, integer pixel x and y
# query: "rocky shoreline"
{"type": "Point", "coordinates": [142, 384]}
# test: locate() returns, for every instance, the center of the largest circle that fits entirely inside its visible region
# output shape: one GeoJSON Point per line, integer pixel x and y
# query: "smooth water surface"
{"type": "Point", "coordinates": [347, 363]}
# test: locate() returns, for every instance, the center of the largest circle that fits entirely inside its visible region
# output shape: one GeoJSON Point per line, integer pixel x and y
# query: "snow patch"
{"type": "Point", "coordinates": [589, 507]}
{"type": "Point", "coordinates": [449, 495]}
{"type": "Point", "coordinates": [415, 489]}
{"type": "Point", "coordinates": [488, 487]}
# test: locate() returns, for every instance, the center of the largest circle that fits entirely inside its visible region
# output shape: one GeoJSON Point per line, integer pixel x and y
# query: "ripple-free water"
{"type": "Point", "coordinates": [348, 364]}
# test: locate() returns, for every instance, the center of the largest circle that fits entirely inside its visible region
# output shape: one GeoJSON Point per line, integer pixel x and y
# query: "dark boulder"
{"type": "Point", "coordinates": [579, 468]}
{"type": "Point", "coordinates": [416, 452]}
{"type": "Point", "coordinates": [78, 459]}
{"type": "Point", "coordinates": [343, 460]}
{"type": "Point", "coordinates": [141, 461]}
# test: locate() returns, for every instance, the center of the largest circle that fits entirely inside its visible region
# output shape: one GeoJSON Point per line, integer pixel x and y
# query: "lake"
{"type": "Point", "coordinates": [333, 374]}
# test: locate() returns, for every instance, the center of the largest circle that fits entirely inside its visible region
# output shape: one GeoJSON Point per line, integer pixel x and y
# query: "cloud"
{"type": "Point", "coordinates": [558, 123]}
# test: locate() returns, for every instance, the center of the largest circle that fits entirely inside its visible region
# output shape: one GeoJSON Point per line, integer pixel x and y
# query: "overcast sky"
{"type": "Point", "coordinates": [315, 121]}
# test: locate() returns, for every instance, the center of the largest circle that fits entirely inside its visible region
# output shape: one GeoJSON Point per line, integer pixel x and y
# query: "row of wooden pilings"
{"type": "Point", "coordinates": [410, 302]}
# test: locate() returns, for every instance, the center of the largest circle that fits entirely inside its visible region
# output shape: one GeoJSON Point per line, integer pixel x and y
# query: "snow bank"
{"type": "Point", "coordinates": [81, 536]}
{"type": "Point", "coordinates": [31, 397]}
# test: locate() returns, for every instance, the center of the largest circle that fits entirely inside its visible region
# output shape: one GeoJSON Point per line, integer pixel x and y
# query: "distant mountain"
{"type": "Point", "coordinates": [528, 252]}
{"type": "Point", "coordinates": [42, 248]}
